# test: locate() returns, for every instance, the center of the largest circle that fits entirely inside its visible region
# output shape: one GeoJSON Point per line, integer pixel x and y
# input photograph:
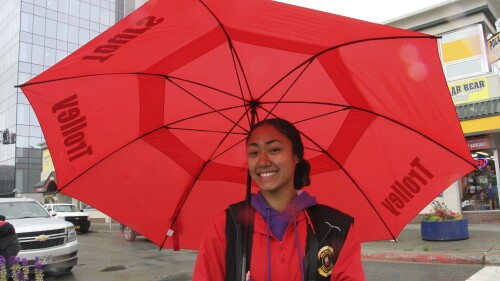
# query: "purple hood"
{"type": "Point", "coordinates": [277, 221]}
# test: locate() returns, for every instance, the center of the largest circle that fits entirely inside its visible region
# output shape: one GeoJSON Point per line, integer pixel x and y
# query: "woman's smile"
{"type": "Point", "coordinates": [268, 174]}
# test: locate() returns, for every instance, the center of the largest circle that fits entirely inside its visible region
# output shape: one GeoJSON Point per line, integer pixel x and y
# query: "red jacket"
{"type": "Point", "coordinates": [285, 265]}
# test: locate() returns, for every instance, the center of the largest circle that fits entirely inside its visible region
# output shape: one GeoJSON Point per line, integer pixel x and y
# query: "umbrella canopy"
{"type": "Point", "coordinates": [148, 121]}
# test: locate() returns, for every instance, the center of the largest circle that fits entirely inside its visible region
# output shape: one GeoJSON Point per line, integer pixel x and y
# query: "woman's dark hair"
{"type": "Point", "coordinates": [303, 168]}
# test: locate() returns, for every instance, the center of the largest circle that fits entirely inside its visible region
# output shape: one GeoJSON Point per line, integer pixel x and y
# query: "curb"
{"type": "Point", "coordinates": [492, 258]}
{"type": "Point", "coordinates": [468, 258]}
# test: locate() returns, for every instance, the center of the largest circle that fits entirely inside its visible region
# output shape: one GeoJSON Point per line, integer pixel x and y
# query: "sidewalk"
{"type": "Point", "coordinates": [482, 247]}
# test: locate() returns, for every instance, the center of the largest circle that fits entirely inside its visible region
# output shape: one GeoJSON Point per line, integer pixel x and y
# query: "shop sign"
{"type": "Point", "coordinates": [494, 48]}
{"type": "Point", "coordinates": [470, 90]}
{"type": "Point", "coordinates": [47, 164]}
{"type": "Point", "coordinates": [481, 162]}
{"type": "Point", "coordinates": [478, 143]}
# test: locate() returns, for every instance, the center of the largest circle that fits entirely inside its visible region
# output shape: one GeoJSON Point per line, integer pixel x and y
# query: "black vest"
{"type": "Point", "coordinates": [322, 248]}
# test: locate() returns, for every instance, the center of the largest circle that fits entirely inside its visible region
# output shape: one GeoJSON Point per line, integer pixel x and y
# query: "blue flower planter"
{"type": "Point", "coordinates": [445, 230]}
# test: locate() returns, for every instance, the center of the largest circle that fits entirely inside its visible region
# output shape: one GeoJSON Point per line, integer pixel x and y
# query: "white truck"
{"type": "Point", "coordinates": [50, 239]}
{"type": "Point", "coordinates": [69, 212]}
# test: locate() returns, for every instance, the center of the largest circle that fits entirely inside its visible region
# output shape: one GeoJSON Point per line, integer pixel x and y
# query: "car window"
{"type": "Point", "coordinates": [18, 210]}
{"type": "Point", "coordinates": [65, 208]}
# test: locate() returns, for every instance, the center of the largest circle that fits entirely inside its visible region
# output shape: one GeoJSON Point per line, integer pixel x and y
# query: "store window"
{"type": "Point", "coordinates": [479, 189]}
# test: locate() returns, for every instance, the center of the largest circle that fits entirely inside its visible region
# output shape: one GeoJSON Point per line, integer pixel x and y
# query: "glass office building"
{"type": "Point", "coordinates": [34, 35]}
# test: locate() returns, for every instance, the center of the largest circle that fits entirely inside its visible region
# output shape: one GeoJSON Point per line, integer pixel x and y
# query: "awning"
{"type": "Point", "coordinates": [49, 184]}
{"type": "Point", "coordinates": [482, 116]}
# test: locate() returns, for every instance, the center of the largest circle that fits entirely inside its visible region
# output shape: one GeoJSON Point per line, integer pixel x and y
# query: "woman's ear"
{"type": "Point", "coordinates": [296, 160]}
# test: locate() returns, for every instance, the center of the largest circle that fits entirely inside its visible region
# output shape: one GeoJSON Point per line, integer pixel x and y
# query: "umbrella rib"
{"type": "Point", "coordinates": [229, 148]}
{"type": "Point", "coordinates": [200, 115]}
{"type": "Point", "coordinates": [82, 76]}
{"type": "Point", "coordinates": [415, 131]}
{"type": "Point", "coordinates": [213, 156]}
{"type": "Point", "coordinates": [203, 85]}
{"type": "Point", "coordinates": [130, 73]}
{"type": "Point", "coordinates": [287, 90]}
{"type": "Point", "coordinates": [234, 54]}
{"type": "Point", "coordinates": [185, 196]}
{"type": "Point", "coordinates": [321, 115]}
{"type": "Point", "coordinates": [203, 102]}
{"type": "Point", "coordinates": [373, 39]}
{"type": "Point", "coordinates": [310, 60]}
{"type": "Point", "coordinates": [203, 131]}
{"type": "Point", "coordinates": [195, 180]}
{"type": "Point", "coordinates": [307, 102]}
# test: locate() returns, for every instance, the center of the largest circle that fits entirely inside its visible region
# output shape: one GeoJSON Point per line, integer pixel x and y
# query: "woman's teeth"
{"type": "Point", "coordinates": [267, 174]}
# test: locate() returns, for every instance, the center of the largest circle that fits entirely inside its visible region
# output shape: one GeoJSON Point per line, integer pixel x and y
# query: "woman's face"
{"type": "Point", "coordinates": [270, 159]}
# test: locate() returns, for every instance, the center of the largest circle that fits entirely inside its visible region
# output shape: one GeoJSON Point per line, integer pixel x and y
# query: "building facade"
{"type": "Point", "coordinates": [469, 46]}
{"type": "Point", "coordinates": [34, 35]}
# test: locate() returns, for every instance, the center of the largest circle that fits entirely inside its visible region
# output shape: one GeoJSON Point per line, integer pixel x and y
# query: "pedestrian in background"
{"type": "Point", "coordinates": [9, 243]}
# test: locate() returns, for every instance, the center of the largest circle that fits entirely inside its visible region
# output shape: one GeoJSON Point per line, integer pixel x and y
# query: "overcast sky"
{"type": "Point", "coordinates": [369, 10]}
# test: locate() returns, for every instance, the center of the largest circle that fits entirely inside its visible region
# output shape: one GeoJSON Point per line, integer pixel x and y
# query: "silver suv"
{"type": "Point", "coordinates": [52, 240]}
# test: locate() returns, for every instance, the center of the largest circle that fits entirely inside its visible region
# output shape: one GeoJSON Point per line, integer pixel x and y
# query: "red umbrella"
{"type": "Point", "coordinates": [148, 121]}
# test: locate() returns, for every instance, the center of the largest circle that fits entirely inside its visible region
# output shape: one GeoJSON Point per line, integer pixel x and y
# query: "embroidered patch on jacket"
{"type": "Point", "coordinates": [325, 258]}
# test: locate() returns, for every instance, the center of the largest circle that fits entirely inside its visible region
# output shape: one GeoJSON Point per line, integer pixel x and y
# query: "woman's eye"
{"type": "Point", "coordinates": [252, 153]}
{"type": "Point", "coordinates": [275, 150]}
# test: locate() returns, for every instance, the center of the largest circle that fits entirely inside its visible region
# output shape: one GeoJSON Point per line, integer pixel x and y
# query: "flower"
{"type": "Point", "coordinates": [19, 269]}
{"type": "Point", "coordinates": [26, 269]}
{"type": "Point", "coordinates": [440, 212]}
{"type": "Point", "coordinates": [38, 269]}
{"type": "Point", "coordinates": [3, 269]}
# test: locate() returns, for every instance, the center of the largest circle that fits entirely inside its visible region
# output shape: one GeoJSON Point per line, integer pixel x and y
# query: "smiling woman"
{"type": "Point", "coordinates": [286, 224]}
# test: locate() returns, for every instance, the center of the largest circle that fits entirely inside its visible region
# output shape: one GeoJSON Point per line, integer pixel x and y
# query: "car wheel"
{"type": "Point", "coordinates": [128, 234]}
{"type": "Point", "coordinates": [64, 269]}
{"type": "Point", "coordinates": [84, 230]}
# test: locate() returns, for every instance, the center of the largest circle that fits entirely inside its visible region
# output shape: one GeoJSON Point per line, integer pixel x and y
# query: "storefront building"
{"type": "Point", "coordinates": [479, 197]}
{"type": "Point", "coordinates": [469, 46]}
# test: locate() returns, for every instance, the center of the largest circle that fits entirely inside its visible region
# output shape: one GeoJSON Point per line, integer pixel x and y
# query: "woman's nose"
{"type": "Point", "coordinates": [264, 160]}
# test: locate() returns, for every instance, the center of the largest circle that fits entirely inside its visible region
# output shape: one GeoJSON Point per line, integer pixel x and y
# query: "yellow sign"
{"type": "Point", "coordinates": [47, 161]}
{"type": "Point", "coordinates": [494, 48]}
{"type": "Point", "coordinates": [461, 48]}
{"type": "Point", "coordinates": [471, 90]}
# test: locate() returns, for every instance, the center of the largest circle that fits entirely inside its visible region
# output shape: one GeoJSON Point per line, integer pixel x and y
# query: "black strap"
{"type": "Point", "coordinates": [235, 228]}
{"type": "Point", "coordinates": [310, 261]}
{"type": "Point", "coordinates": [331, 227]}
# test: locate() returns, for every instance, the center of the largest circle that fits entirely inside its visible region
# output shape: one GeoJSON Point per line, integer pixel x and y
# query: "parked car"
{"type": "Point", "coordinates": [40, 235]}
{"type": "Point", "coordinates": [128, 233]}
{"type": "Point", "coordinates": [69, 212]}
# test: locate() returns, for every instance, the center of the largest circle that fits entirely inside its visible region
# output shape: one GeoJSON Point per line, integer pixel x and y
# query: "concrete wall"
{"type": "Point", "coordinates": [132, 5]}
{"type": "Point", "coordinates": [450, 15]}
